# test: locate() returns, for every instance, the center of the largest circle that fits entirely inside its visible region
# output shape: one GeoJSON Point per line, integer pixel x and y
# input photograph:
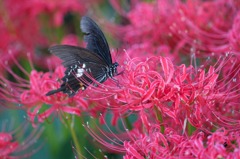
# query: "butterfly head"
{"type": "Point", "coordinates": [113, 70]}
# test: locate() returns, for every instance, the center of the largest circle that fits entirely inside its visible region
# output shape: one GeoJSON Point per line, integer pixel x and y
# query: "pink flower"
{"type": "Point", "coordinates": [169, 102]}
{"type": "Point", "coordinates": [146, 29]}
{"type": "Point", "coordinates": [218, 144]}
{"type": "Point", "coordinates": [70, 40]}
{"type": "Point", "coordinates": [57, 9]}
{"type": "Point", "coordinates": [12, 147]}
{"type": "Point", "coordinates": [7, 146]}
{"type": "Point", "coordinates": [154, 143]}
{"type": "Point", "coordinates": [205, 99]}
{"type": "Point", "coordinates": [234, 36]}
{"type": "Point", "coordinates": [203, 31]}
{"type": "Point", "coordinates": [32, 94]}
{"type": "Point", "coordinates": [16, 31]}
{"type": "Point", "coordinates": [162, 141]}
{"type": "Point", "coordinates": [40, 84]}
{"type": "Point", "coordinates": [191, 27]}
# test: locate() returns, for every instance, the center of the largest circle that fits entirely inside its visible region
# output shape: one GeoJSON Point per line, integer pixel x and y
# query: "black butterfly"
{"type": "Point", "coordinates": [95, 60]}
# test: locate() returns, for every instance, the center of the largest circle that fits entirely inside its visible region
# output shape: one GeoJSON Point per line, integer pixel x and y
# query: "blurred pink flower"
{"type": "Point", "coordinates": [19, 29]}
{"type": "Point", "coordinates": [70, 40]}
{"type": "Point", "coordinates": [185, 27]}
{"type": "Point", "coordinates": [7, 146]}
{"type": "Point", "coordinates": [146, 27]}
{"type": "Point", "coordinates": [202, 29]}
{"type": "Point", "coordinates": [234, 36]}
{"type": "Point", "coordinates": [57, 8]}
{"type": "Point", "coordinates": [25, 26]}
{"type": "Point", "coordinates": [15, 145]}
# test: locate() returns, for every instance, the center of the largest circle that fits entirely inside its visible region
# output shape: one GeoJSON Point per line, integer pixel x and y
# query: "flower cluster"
{"type": "Point", "coordinates": [220, 144]}
{"type": "Point", "coordinates": [178, 92]}
{"type": "Point", "coordinates": [32, 95]}
{"type": "Point", "coordinates": [170, 101]}
{"type": "Point", "coordinates": [184, 27]}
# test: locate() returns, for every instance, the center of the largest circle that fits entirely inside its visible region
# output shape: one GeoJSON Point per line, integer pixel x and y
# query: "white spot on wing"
{"type": "Point", "coordinates": [79, 72]}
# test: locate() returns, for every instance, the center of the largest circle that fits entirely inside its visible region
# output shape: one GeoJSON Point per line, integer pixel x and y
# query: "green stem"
{"type": "Point", "coordinates": [159, 116]}
{"type": "Point", "coordinates": [128, 123]}
{"type": "Point", "coordinates": [70, 124]}
{"type": "Point", "coordinates": [190, 128]}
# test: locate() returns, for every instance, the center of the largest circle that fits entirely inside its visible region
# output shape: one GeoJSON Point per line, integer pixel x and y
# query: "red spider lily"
{"type": "Point", "coordinates": [70, 40]}
{"type": "Point", "coordinates": [40, 84]}
{"type": "Point", "coordinates": [185, 27]}
{"type": "Point", "coordinates": [200, 29]}
{"type": "Point", "coordinates": [10, 147]}
{"type": "Point", "coordinates": [32, 94]}
{"type": "Point", "coordinates": [178, 92]}
{"type": "Point", "coordinates": [234, 37]}
{"type": "Point", "coordinates": [144, 50]}
{"type": "Point", "coordinates": [57, 9]}
{"type": "Point", "coordinates": [6, 145]}
{"type": "Point", "coordinates": [146, 26]}
{"type": "Point", "coordinates": [13, 18]}
{"type": "Point", "coordinates": [151, 88]}
{"type": "Point", "coordinates": [205, 99]}
{"type": "Point", "coordinates": [137, 143]}
{"type": "Point", "coordinates": [170, 145]}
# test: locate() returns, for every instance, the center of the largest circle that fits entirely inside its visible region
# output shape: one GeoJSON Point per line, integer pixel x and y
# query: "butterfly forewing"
{"type": "Point", "coordinates": [96, 41]}
{"type": "Point", "coordinates": [73, 55]}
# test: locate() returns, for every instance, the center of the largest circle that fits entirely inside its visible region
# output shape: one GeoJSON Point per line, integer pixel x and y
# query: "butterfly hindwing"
{"type": "Point", "coordinates": [80, 65]}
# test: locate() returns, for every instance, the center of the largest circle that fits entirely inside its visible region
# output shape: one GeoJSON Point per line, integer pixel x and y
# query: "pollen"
{"type": "Point", "coordinates": [82, 86]}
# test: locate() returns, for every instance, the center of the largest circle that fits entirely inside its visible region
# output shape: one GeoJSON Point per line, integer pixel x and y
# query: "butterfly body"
{"type": "Point", "coordinates": [85, 65]}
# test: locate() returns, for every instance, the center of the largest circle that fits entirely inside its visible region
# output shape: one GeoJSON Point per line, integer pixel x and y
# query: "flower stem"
{"type": "Point", "coordinates": [191, 129]}
{"type": "Point", "coordinates": [70, 124]}
{"type": "Point", "coordinates": [159, 116]}
{"type": "Point", "coordinates": [128, 123]}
